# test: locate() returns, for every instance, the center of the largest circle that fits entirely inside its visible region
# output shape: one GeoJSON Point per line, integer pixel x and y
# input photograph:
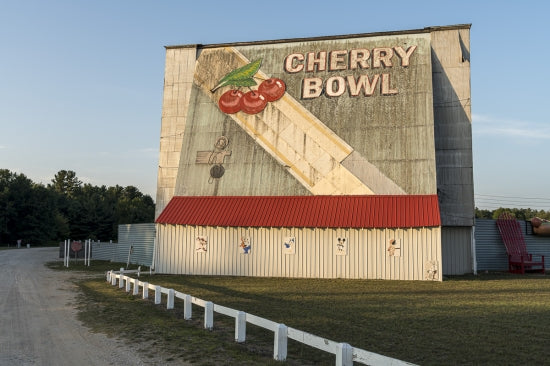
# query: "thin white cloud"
{"type": "Point", "coordinates": [87, 180]}
{"type": "Point", "coordinates": [488, 125]}
{"type": "Point", "coordinates": [149, 150]}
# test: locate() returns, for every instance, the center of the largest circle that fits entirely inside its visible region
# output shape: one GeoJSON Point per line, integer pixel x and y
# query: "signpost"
{"type": "Point", "coordinates": [66, 252]}
{"type": "Point", "coordinates": [76, 246]}
{"type": "Point", "coordinates": [129, 254]}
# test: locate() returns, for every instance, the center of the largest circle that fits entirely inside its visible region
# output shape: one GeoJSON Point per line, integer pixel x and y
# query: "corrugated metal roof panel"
{"type": "Point", "coordinates": [303, 211]}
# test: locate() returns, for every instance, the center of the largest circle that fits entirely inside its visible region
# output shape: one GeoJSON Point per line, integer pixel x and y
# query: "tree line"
{"type": "Point", "coordinates": [519, 213]}
{"type": "Point", "coordinates": [66, 208]}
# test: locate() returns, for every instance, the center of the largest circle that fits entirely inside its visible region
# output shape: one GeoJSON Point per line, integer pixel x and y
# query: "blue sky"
{"type": "Point", "coordinates": [81, 81]}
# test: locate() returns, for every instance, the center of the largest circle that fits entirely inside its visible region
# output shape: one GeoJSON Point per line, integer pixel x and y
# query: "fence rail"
{"type": "Point", "coordinates": [345, 354]}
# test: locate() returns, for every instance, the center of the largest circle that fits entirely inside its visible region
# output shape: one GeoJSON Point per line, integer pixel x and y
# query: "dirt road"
{"type": "Point", "coordinates": [38, 323]}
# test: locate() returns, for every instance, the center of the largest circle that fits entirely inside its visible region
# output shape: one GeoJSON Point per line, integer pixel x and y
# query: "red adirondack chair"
{"type": "Point", "coordinates": [519, 260]}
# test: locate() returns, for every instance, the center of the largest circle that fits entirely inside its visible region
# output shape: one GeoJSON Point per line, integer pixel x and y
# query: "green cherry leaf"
{"type": "Point", "coordinates": [244, 82]}
{"type": "Point", "coordinates": [243, 76]}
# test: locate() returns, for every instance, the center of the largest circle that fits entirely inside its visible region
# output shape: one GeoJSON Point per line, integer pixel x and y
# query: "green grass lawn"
{"type": "Point", "coordinates": [490, 319]}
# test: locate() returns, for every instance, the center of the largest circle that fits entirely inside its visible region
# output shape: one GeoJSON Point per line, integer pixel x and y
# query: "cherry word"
{"type": "Point", "coordinates": [253, 101]}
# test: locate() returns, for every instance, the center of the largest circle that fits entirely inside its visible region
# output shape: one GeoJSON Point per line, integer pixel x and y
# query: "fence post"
{"type": "Point", "coordinates": [67, 253]}
{"type": "Point", "coordinates": [108, 276]}
{"type": "Point", "coordinates": [157, 295]}
{"type": "Point", "coordinates": [280, 344]}
{"type": "Point", "coordinates": [170, 301]}
{"type": "Point", "coordinates": [344, 355]}
{"type": "Point", "coordinates": [136, 286]}
{"type": "Point", "coordinates": [121, 278]}
{"type": "Point", "coordinates": [187, 307]}
{"type": "Point", "coordinates": [89, 251]}
{"type": "Point", "coordinates": [113, 278]}
{"type": "Point", "coordinates": [85, 250]}
{"type": "Point", "coordinates": [146, 290]}
{"type": "Point", "coordinates": [209, 315]}
{"type": "Point", "coordinates": [128, 284]}
{"type": "Point", "coordinates": [240, 327]}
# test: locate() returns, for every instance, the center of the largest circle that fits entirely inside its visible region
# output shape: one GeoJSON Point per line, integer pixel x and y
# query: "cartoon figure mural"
{"type": "Point", "coordinates": [245, 245]}
{"type": "Point", "coordinates": [215, 158]}
{"type": "Point", "coordinates": [341, 247]}
{"type": "Point", "coordinates": [394, 249]}
{"type": "Point", "coordinates": [201, 244]}
{"type": "Point", "coordinates": [289, 245]}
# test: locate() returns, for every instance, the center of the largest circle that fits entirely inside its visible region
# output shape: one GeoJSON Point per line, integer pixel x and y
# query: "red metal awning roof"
{"type": "Point", "coordinates": [303, 211]}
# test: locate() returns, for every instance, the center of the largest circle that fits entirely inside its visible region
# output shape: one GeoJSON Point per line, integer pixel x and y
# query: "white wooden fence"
{"type": "Point", "coordinates": [345, 354]}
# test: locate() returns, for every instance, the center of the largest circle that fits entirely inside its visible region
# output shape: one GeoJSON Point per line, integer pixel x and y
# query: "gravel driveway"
{"type": "Point", "coordinates": [38, 323]}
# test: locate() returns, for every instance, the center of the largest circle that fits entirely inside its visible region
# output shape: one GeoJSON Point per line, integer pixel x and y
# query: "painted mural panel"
{"type": "Point", "coordinates": [322, 116]}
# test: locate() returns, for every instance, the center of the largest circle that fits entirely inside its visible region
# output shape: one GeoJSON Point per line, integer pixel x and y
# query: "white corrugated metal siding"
{"type": "Point", "coordinates": [456, 245]}
{"type": "Point", "coordinates": [314, 257]}
{"type": "Point", "coordinates": [141, 237]}
{"type": "Point", "coordinates": [490, 250]}
{"type": "Point", "coordinates": [104, 250]}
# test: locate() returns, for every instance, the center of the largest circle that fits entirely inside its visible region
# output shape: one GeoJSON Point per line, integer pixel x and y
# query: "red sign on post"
{"type": "Point", "coordinates": [76, 246]}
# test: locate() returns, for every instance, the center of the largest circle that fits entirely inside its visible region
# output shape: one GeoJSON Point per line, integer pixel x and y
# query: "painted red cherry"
{"type": "Point", "coordinates": [253, 102]}
{"type": "Point", "coordinates": [230, 101]}
{"type": "Point", "coordinates": [272, 88]}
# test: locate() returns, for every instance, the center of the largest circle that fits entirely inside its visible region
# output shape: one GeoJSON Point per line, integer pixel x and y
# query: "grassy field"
{"type": "Point", "coordinates": [489, 319]}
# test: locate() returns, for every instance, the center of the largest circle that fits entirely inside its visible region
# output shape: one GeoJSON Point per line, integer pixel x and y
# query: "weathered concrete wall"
{"type": "Point", "coordinates": [453, 124]}
{"type": "Point", "coordinates": [377, 141]}
{"type": "Point", "coordinates": [178, 80]}
{"type": "Point", "coordinates": [457, 250]}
